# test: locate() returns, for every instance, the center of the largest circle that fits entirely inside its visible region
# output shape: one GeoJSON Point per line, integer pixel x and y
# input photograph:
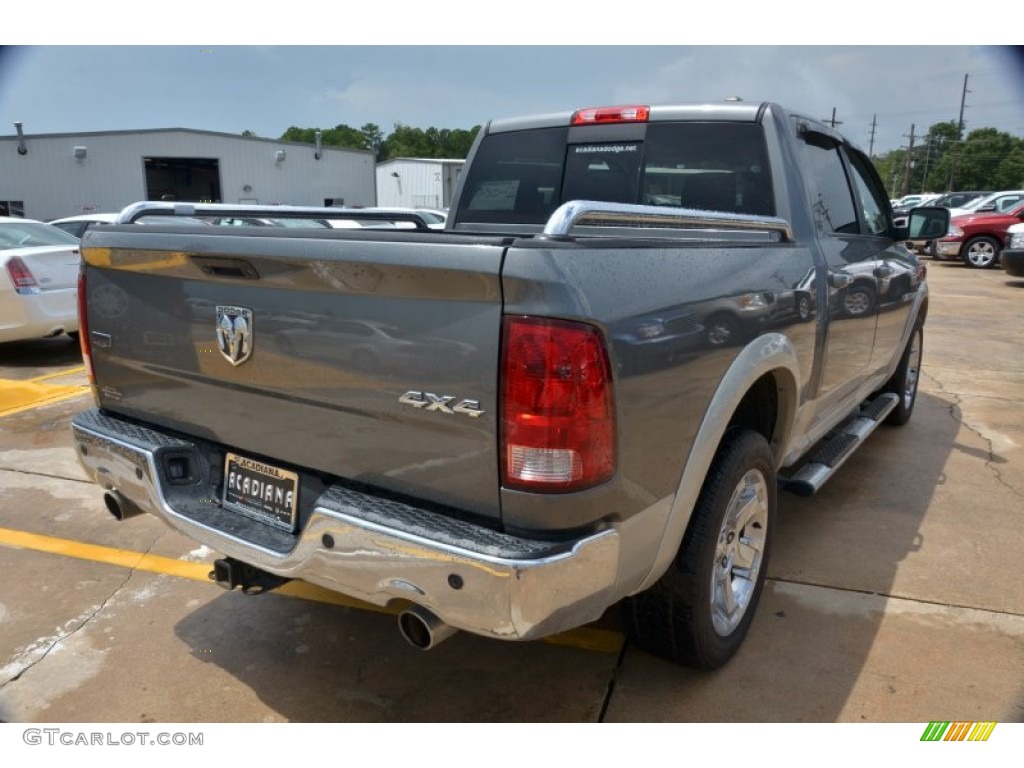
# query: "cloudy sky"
{"type": "Point", "coordinates": [267, 88]}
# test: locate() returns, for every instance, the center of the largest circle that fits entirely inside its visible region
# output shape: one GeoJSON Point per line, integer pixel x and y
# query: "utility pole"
{"type": "Point", "coordinates": [959, 139]}
{"type": "Point", "coordinates": [833, 122]}
{"type": "Point", "coordinates": [909, 168]}
{"type": "Point", "coordinates": [927, 161]}
{"type": "Point", "coordinates": [871, 145]}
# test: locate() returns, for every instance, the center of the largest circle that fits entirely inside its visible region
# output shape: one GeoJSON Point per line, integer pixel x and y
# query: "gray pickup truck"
{"type": "Point", "coordinates": [637, 325]}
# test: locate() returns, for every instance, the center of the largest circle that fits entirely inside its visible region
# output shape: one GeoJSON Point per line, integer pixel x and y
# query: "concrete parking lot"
{"type": "Point", "coordinates": [893, 594]}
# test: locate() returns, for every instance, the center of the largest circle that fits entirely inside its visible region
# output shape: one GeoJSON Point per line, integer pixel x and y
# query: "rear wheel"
{"type": "Point", "coordinates": [698, 613]}
{"type": "Point", "coordinates": [981, 252]}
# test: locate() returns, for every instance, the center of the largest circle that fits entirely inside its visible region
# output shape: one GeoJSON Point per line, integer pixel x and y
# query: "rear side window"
{"type": "Point", "coordinates": [872, 198]}
{"type": "Point", "coordinates": [523, 177]}
{"type": "Point", "coordinates": [831, 196]}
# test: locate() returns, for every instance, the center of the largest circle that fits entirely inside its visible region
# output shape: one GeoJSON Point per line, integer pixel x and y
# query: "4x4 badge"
{"type": "Point", "coordinates": [234, 333]}
{"type": "Point", "coordinates": [441, 403]}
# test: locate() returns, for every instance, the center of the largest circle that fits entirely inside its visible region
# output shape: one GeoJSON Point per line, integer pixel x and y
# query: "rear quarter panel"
{"type": "Point", "coordinates": [661, 310]}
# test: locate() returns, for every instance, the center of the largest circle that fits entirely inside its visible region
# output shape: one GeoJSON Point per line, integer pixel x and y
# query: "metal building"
{"type": "Point", "coordinates": [53, 175]}
{"type": "Point", "coordinates": [409, 182]}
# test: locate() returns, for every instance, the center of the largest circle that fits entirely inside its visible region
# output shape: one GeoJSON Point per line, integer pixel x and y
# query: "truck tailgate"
{"type": "Point", "coordinates": [371, 357]}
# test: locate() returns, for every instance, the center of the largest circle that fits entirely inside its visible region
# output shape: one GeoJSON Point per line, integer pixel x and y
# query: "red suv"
{"type": "Point", "coordinates": [978, 238]}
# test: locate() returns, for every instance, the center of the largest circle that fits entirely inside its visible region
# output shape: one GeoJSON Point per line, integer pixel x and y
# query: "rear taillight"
{"type": "Point", "coordinates": [630, 114]}
{"type": "Point", "coordinates": [83, 328]}
{"type": "Point", "coordinates": [21, 276]}
{"type": "Point", "coordinates": [558, 416]}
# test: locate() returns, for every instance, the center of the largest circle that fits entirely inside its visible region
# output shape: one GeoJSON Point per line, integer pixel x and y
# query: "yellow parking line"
{"type": "Point", "coordinates": [69, 372]}
{"type": "Point", "coordinates": [587, 638]}
{"type": "Point", "coordinates": [18, 396]}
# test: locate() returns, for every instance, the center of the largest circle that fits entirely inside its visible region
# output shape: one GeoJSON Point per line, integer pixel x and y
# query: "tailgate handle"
{"type": "Point", "coordinates": [238, 269]}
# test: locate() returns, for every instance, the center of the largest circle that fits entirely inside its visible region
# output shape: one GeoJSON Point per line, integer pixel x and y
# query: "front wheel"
{"type": "Point", "coordinates": [981, 252]}
{"type": "Point", "coordinates": [699, 612]}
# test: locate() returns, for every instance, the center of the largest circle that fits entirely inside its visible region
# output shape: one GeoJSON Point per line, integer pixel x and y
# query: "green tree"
{"type": "Point", "coordinates": [339, 136]}
{"type": "Point", "coordinates": [990, 159]}
{"type": "Point", "coordinates": [986, 159]}
{"type": "Point", "coordinates": [403, 141]}
{"type": "Point", "coordinates": [373, 136]}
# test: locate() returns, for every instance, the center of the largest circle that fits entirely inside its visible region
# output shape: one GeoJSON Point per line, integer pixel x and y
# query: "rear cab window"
{"type": "Point", "coordinates": [521, 177]}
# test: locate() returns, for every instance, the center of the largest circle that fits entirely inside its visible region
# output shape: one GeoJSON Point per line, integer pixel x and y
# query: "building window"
{"type": "Point", "coordinates": [12, 208]}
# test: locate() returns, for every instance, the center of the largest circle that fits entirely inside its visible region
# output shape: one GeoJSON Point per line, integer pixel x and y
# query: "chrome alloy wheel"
{"type": "Point", "coordinates": [981, 253]}
{"type": "Point", "coordinates": [739, 552]}
{"type": "Point", "coordinates": [913, 369]}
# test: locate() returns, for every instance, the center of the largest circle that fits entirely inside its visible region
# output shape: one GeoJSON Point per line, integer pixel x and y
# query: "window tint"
{"type": "Point", "coordinates": [523, 177]}
{"type": "Point", "coordinates": [607, 172]}
{"type": "Point", "coordinates": [830, 190]}
{"type": "Point", "coordinates": [1004, 204]}
{"type": "Point", "coordinates": [515, 177]}
{"type": "Point", "coordinates": [872, 199]}
{"type": "Point", "coordinates": [707, 166]}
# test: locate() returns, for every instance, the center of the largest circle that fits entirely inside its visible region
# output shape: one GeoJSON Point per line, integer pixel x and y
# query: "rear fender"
{"type": "Point", "coordinates": [767, 354]}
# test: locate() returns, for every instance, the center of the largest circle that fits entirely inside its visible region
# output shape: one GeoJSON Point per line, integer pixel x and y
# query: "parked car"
{"type": "Point", "coordinates": [912, 201]}
{"type": "Point", "coordinates": [357, 224]}
{"type": "Point", "coordinates": [949, 200]}
{"type": "Point", "coordinates": [978, 238]}
{"type": "Point", "coordinates": [434, 219]}
{"type": "Point", "coordinates": [39, 280]}
{"type": "Point", "coordinates": [252, 221]}
{"type": "Point", "coordinates": [959, 199]}
{"type": "Point", "coordinates": [385, 218]}
{"type": "Point", "coordinates": [1012, 257]}
{"type": "Point", "coordinates": [997, 202]}
{"type": "Point", "coordinates": [514, 463]}
{"type": "Point", "coordinates": [77, 225]}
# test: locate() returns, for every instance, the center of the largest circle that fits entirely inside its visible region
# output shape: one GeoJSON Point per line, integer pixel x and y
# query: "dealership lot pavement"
{"type": "Point", "coordinates": [893, 594]}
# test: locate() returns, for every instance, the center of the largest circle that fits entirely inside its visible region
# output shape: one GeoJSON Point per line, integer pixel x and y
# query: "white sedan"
{"type": "Point", "coordinates": [38, 280]}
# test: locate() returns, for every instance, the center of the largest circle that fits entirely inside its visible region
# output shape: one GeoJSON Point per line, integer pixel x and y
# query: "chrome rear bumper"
{"type": "Point", "coordinates": [374, 549]}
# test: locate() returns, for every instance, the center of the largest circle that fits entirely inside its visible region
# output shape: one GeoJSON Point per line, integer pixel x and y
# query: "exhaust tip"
{"type": "Point", "coordinates": [119, 507]}
{"type": "Point", "coordinates": [422, 629]}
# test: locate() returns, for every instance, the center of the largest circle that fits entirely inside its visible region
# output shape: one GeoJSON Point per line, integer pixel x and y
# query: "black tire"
{"type": "Point", "coordinates": [905, 380]}
{"type": "Point", "coordinates": [981, 252]}
{"type": "Point", "coordinates": [685, 617]}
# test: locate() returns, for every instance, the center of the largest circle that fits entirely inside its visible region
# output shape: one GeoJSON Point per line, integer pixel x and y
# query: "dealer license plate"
{"type": "Point", "coordinates": [261, 491]}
